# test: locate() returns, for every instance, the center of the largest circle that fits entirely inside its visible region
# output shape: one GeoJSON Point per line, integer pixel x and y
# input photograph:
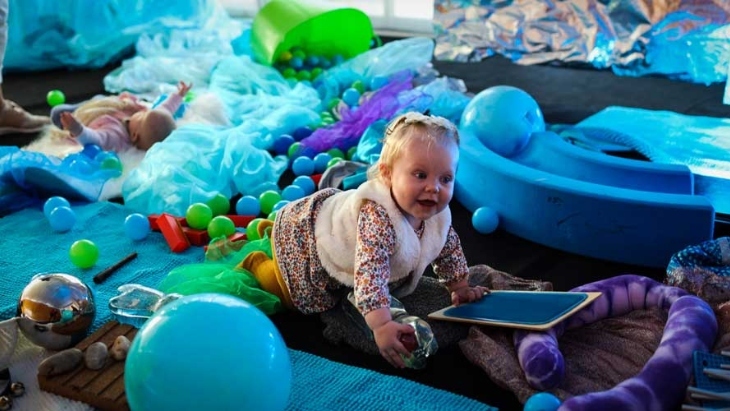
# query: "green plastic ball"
{"type": "Point", "coordinates": [294, 149]}
{"type": "Point", "coordinates": [304, 75]}
{"type": "Point", "coordinates": [268, 199]}
{"type": "Point", "coordinates": [83, 253]}
{"type": "Point", "coordinates": [334, 161]}
{"type": "Point", "coordinates": [289, 73]}
{"type": "Point", "coordinates": [221, 226]}
{"type": "Point", "coordinates": [252, 229]}
{"type": "Point", "coordinates": [189, 96]}
{"type": "Point", "coordinates": [271, 216]}
{"type": "Point", "coordinates": [316, 72]}
{"type": "Point", "coordinates": [111, 163]}
{"type": "Point", "coordinates": [359, 86]}
{"type": "Point", "coordinates": [55, 97]}
{"type": "Point", "coordinates": [351, 152]}
{"type": "Point", "coordinates": [299, 53]}
{"type": "Point", "coordinates": [336, 153]}
{"type": "Point", "coordinates": [220, 204]}
{"type": "Point", "coordinates": [199, 215]}
{"type": "Point", "coordinates": [285, 56]}
{"type": "Point", "coordinates": [333, 103]}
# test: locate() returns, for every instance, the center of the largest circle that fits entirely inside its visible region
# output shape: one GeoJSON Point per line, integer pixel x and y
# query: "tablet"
{"type": "Point", "coordinates": [530, 310]}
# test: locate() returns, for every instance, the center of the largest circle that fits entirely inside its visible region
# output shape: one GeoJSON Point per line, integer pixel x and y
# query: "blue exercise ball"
{"type": "Point", "coordinates": [502, 118]}
{"type": "Point", "coordinates": [208, 352]}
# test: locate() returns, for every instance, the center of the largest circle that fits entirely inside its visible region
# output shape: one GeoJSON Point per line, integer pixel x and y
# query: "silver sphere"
{"type": "Point", "coordinates": [55, 311]}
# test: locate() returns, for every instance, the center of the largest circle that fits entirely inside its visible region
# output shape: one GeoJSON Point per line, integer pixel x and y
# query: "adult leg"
{"type": "Point", "coordinates": [13, 118]}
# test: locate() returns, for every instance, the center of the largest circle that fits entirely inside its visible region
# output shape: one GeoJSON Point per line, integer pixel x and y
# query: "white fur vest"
{"type": "Point", "coordinates": [336, 233]}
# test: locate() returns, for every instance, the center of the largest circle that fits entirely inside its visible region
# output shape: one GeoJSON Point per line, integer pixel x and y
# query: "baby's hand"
{"type": "Point", "coordinates": [387, 337]}
{"type": "Point", "coordinates": [71, 124]}
{"type": "Point", "coordinates": [183, 88]}
{"type": "Point", "coordinates": [468, 294]}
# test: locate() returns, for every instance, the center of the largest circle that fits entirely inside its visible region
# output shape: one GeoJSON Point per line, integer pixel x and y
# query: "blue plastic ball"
{"type": "Point", "coordinates": [280, 204]}
{"type": "Point", "coordinates": [306, 183]}
{"type": "Point", "coordinates": [485, 220]}
{"type": "Point", "coordinates": [292, 193]}
{"type": "Point", "coordinates": [91, 150]}
{"type": "Point", "coordinates": [80, 165]}
{"type": "Point", "coordinates": [502, 118]}
{"type": "Point", "coordinates": [301, 133]}
{"type": "Point", "coordinates": [302, 166]}
{"type": "Point", "coordinates": [351, 97]}
{"type": "Point", "coordinates": [137, 226]}
{"type": "Point", "coordinates": [377, 82]}
{"type": "Point", "coordinates": [320, 162]}
{"type": "Point", "coordinates": [248, 205]}
{"type": "Point", "coordinates": [296, 62]}
{"type": "Point", "coordinates": [282, 143]}
{"type": "Point", "coordinates": [53, 202]}
{"type": "Point", "coordinates": [62, 219]}
{"type": "Point", "coordinates": [208, 351]}
{"type": "Point", "coordinates": [542, 401]}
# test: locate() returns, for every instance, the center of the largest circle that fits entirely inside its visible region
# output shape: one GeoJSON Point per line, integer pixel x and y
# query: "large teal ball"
{"type": "Point", "coordinates": [502, 118]}
{"type": "Point", "coordinates": [208, 352]}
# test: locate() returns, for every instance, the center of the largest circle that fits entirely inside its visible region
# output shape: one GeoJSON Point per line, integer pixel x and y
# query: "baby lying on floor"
{"type": "Point", "coordinates": [117, 123]}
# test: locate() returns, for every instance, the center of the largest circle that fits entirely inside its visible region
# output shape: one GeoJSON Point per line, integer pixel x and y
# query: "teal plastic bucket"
{"type": "Point", "coordinates": [283, 24]}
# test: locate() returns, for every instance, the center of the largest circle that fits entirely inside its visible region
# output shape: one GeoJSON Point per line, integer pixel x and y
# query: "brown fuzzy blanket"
{"type": "Point", "coordinates": [597, 357]}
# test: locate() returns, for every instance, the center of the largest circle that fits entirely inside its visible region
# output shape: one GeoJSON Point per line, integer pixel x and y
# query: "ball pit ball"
{"type": "Point", "coordinates": [91, 150]}
{"type": "Point", "coordinates": [485, 220]}
{"type": "Point", "coordinates": [302, 166]}
{"type": "Point", "coordinates": [248, 205]}
{"type": "Point", "coordinates": [252, 229]}
{"type": "Point", "coordinates": [336, 153]}
{"type": "Point", "coordinates": [62, 219]}
{"type": "Point", "coordinates": [53, 202]}
{"type": "Point", "coordinates": [542, 401]}
{"type": "Point", "coordinates": [219, 204]}
{"type": "Point", "coordinates": [198, 216]}
{"type": "Point", "coordinates": [292, 193]}
{"type": "Point", "coordinates": [267, 199]}
{"type": "Point", "coordinates": [334, 161]}
{"type": "Point", "coordinates": [306, 183]}
{"type": "Point", "coordinates": [83, 253]}
{"type": "Point", "coordinates": [282, 144]}
{"type": "Point", "coordinates": [221, 226]}
{"type": "Point", "coordinates": [320, 162]}
{"type": "Point", "coordinates": [55, 97]}
{"type": "Point", "coordinates": [137, 226]}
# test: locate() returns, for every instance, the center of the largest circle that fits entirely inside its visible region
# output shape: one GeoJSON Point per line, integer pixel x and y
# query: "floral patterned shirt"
{"type": "Point", "coordinates": [313, 290]}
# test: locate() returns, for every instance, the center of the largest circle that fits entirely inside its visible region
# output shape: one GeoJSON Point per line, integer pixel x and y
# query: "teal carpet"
{"type": "Point", "coordinates": [30, 247]}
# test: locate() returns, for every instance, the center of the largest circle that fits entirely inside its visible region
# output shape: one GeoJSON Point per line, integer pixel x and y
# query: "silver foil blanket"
{"type": "Point", "coordinates": [680, 39]}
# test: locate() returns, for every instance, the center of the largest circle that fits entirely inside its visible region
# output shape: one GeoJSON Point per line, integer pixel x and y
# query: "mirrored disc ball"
{"type": "Point", "coordinates": [55, 310]}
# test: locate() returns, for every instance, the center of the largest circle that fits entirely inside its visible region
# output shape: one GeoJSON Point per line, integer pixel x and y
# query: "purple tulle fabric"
{"type": "Point", "coordinates": [346, 133]}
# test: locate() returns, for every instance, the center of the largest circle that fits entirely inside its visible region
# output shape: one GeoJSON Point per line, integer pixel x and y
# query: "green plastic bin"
{"type": "Point", "coordinates": [282, 24]}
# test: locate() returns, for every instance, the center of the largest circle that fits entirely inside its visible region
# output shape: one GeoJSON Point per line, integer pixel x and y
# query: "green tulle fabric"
{"type": "Point", "coordinates": [218, 274]}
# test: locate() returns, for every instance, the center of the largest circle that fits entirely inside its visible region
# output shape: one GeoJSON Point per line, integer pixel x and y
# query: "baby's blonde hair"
{"type": "Point", "coordinates": [404, 128]}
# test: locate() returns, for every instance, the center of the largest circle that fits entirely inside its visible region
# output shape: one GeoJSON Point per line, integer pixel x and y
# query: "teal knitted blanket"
{"type": "Point", "coordinates": [30, 247]}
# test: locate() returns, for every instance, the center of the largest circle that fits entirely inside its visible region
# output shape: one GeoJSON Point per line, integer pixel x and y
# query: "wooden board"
{"type": "Point", "coordinates": [104, 388]}
{"type": "Point", "coordinates": [529, 310]}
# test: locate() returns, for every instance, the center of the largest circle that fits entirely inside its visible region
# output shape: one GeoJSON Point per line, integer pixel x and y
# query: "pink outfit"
{"type": "Point", "coordinates": [110, 131]}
